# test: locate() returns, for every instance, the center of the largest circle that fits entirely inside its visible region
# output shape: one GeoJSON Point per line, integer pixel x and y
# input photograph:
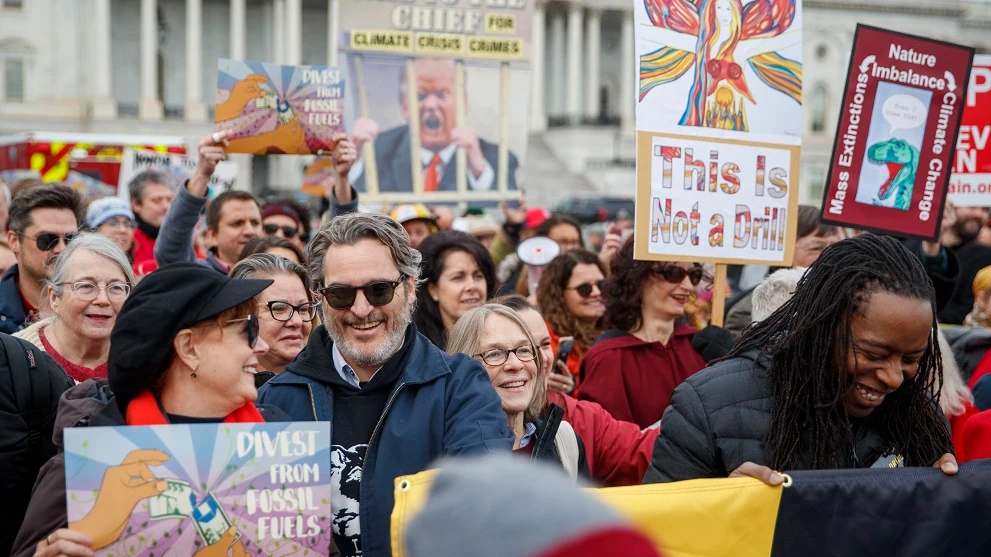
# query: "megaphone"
{"type": "Point", "coordinates": [535, 253]}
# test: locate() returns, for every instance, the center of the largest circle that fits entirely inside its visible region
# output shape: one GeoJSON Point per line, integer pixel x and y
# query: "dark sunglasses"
{"type": "Point", "coordinates": [675, 274]}
{"type": "Point", "coordinates": [377, 292]}
{"type": "Point", "coordinates": [585, 290]}
{"type": "Point", "coordinates": [287, 231]}
{"type": "Point", "coordinates": [251, 327]}
{"type": "Point", "coordinates": [48, 241]}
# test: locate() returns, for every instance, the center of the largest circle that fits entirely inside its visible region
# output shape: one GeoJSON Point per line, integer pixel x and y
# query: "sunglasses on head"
{"type": "Point", "coordinates": [377, 292]}
{"type": "Point", "coordinates": [47, 241]}
{"type": "Point", "coordinates": [251, 328]}
{"type": "Point", "coordinates": [675, 274]}
{"type": "Point", "coordinates": [585, 290]}
{"type": "Point", "coordinates": [287, 231]}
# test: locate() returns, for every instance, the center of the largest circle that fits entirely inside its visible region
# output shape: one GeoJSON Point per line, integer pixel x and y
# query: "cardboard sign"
{"type": "Point", "coordinates": [970, 182]}
{"type": "Point", "coordinates": [203, 489]}
{"type": "Point", "coordinates": [895, 141]}
{"type": "Point", "coordinates": [177, 168]}
{"type": "Point", "coordinates": [460, 133]}
{"type": "Point", "coordinates": [719, 116]}
{"type": "Point", "coordinates": [270, 109]}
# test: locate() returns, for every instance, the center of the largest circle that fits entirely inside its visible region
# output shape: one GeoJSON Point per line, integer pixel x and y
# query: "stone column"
{"type": "Point", "coordinates": [538, 117]}
{"type": "Point", "coordinates": [279, 31]}
{"type": "Point", "coordinates": [555, 101]}
{"type": "Point", "coordinates": [195, 109]}
{"type": "Point", "coordinates": [333, 30]}
{"type": "Point", "coordinates": [593, 35]}
{"type": "Point", "coordinates": [150, 107]}
{"type": "Point", "coordinates": [294, 31]}
{"type": "Point", "coordinates": [573, 91]}
{"type": "Point", "coordinates": [104, 105]}
{"type": "Point", "coordinates": [237, 29]}
{"type": "Point", "coordinates": [628, 76]}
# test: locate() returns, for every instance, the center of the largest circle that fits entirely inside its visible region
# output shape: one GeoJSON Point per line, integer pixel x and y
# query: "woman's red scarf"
{"type": "Point", "coordinates": [144, 410]}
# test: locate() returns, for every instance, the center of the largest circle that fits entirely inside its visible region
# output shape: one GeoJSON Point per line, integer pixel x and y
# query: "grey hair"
{"type": "Point", "coordinates": [776, 289]}
{"type": "Point", "coordinates": [351, 228]}
{"type": "Point", "coordinates": [466, 337]}
{"type": "Point", "coordinates": [95, 243]}
{"type": "Point", "coordinates": [5, 194]}
{"type": "Point", "coordinates": [269, 265]}
{"type": "Point", "coordinates": [136, 187]}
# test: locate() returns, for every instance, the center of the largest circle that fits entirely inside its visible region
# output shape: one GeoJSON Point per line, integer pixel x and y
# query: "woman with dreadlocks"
{"type": "Point", "coordinates": [838, 377]}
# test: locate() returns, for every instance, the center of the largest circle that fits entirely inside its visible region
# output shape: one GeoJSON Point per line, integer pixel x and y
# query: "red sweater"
{"type": "Point", "coordinates": [633, 380]}
{"type": "Point", "coordinates": [618, 453]}
{"type": "Point", "coordinates": [971, 441]}
{"type": "Point", "coordinates": [144, 247]}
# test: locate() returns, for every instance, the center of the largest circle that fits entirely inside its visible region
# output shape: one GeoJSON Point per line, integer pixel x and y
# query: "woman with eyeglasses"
{"type": "Point", "coordinates": [498, 337]}
{"type": "Point", "coordinates": [90, 280]}
{"type": "Point", "coordinates": [184, 350]}
{"type": "Point", "coordinates": [569, 296]}
{"type": "Point", "coordinates": [634, 367]}
{"type": "Point", "coordinates": [112, 217]}
{"type": "Point", "coordinates": [275, 246]}
{"type": "Point", "coordinates": [285, 310]}
{"type": "Point", "coordinates": [458, 275]}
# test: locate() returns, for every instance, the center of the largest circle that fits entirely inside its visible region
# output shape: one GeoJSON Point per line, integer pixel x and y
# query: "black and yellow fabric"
{"type": "Point", "coordinates": [905, 512]}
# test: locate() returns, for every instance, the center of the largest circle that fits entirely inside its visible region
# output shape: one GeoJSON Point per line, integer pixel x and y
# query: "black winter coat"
{"type": "Point", "coordinates": [545, 450]}
{"type": "Point", "coordinates": [719, 418]}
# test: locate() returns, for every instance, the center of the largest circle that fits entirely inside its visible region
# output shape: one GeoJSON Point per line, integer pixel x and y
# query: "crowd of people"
{"type": "Point", "coordinates": [419, 334]}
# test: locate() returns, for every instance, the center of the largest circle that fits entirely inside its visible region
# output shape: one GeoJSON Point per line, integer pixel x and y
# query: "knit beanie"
{"type": "Point", "coordinates": [501, 506]}
{"type": "Point", "coordinates": [102, 210]}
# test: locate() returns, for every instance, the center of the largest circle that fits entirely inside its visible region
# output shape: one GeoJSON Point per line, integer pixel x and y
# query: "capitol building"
{"type": "Point", "coordinates": [149, 67]}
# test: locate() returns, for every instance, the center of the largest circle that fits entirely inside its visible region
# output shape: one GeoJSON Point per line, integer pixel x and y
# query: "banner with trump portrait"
{"type": "Point", "coordinates": [450, 87]}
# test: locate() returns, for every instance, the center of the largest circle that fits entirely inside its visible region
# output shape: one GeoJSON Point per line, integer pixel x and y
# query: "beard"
{"type": "Point", "coordinates": [396, 323]}
{"type": "Point", "coordinates": [968, 230]}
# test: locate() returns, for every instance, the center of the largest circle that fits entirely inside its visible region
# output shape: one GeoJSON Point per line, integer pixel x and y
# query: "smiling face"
{"type": "Point", "coordinates": [585, 308]}
{"type": "Point", "coordinates": [724, 12]}
{"type": "Point", "coordinates": [667, 299]}
{"type": "Point", "coordinates": [285, 339]}
{"type": "Point", "coordinates": [226, 363]}
{"type": "Point", "coordinates": [90, 320]}
{"type": "Point", "coordinates": [889, 338]}
{"type": "Point", "coordinates": [513, 380]}
{"type": "Point", "coordinates": [366, 335]}
{"type": "Point", "coordinates": [461, 286]}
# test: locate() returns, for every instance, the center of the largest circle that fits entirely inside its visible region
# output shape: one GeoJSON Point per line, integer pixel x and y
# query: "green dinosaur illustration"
{"type": "Point", "coordinates": [902, 161]}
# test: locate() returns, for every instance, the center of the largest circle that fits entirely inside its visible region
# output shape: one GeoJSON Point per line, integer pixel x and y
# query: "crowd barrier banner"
{"type": "Point", "coordinates": [177, 168]}
{"type": "Point", "coordinates": [203, 489]}
{"type": "Point", "coordinates": [269, 109]}
{"type": "Point", "coordinates": [970, 181]}
{"type": "Point", "coordinates": [719, 126]}
{"type": "Point", "coordinates": [909, 512]}
{"type": "Point", "coordinates": [897, 133]}
{"type": "Point", "coordinates": [460, 133]}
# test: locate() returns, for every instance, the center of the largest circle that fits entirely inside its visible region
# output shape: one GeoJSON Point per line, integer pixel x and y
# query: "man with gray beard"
{"type": "Point", "coordinates": [395, 402]}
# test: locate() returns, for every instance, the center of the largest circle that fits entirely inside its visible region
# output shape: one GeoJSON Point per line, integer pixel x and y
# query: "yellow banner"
{"type": "Point", "coordinates": [731, 517]}
{"type": "Point", "coordinates": [382, 41]}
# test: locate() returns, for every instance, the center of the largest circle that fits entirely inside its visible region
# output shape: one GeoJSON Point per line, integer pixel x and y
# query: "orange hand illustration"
{"type": "Point", "coordinates": [224, 547]}
{"type": "Point", "coordinates": [123, 487]}
{"type": "Point", "coordinates": [288, 138]}
{"type": "Point", "coordinates": [242, 93]}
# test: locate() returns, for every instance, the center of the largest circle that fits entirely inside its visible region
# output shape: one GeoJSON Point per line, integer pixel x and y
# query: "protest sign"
{"type": "Point", "coordinates": [460, 134]}
{"type": "Point", "coordinates": [270, 109]}
{"type": "Point", "coordinates": [177, 168]}
{"type": "Point", "coordinates": [718, 130]}
{"type": "Point", "coordinates": [970, 182]}
{"type": "Point", "coordinates": [201, 489]}
{"type": "Point", "coordinates": [897, 133]}
{"type": "Point", "coordinates": [715, 202]}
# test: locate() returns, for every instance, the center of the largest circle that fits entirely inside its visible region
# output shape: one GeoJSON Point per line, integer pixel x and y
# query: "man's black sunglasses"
{"type": "Point", "coordinates": [377, 292]}
{"type": "Point", "coordinates": [47, 241]}
{"type": "Point", "coordinates": [287, 231]}
{"type": "Point", "coordinates": [675, 274]}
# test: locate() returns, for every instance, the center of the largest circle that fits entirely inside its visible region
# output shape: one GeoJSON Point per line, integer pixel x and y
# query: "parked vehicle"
{"type": "Point", "coordinates": [587, 209]}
